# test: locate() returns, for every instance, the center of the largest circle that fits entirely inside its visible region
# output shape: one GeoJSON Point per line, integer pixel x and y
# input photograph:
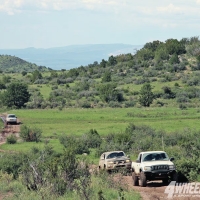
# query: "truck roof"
{"type": "Point", "coordinates": [152, 152]}
{"type": "Point", "coordinates": [108, 152]}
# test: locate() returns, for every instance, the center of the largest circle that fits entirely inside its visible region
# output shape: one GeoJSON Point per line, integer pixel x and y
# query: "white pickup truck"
{"type": "Point", "coordinates": [11, 119]}
{"type": "Point", "coordinates": [153, 165]}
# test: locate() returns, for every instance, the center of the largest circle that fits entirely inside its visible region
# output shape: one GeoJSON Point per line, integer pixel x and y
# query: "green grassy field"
{"type": "Point", "coordinates": [79, 121]}
{"type": "Point", "coordinates": [107, 120]}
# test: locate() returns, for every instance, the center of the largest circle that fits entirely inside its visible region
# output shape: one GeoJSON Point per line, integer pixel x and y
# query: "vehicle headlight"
{"type": "Point", "coordinates": [171, 167]}
{"type": "Point", "coordinates": [147, 168]}
{"type": "Point", "coordinates": [127, 161]}
{"type": "Point", "coordinates": [111, 162]}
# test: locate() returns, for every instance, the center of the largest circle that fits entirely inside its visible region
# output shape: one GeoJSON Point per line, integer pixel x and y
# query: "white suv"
{"type": "Point", "coordinates": [11, 119]}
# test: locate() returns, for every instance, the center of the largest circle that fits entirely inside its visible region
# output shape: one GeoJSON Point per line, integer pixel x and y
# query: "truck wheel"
{"type": "Point", "coordinates": [143, 179]}
{"type": "Point", "coordinates": [174, 177]}
{"type": "Point", "coordinates": [135, 179]}
{"type": "Point", "coordinates": [165, 181]}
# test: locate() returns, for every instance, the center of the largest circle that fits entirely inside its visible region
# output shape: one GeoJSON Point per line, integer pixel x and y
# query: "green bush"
{"type": "Point", "coordinates": [92, 139]}
{"type": "Point", "coordinates": [11, 164]}
{"type": "Point", "coordinates": [76, 144]}
{"type": "Point", "coordinates": [30, 135]}
{"type": "Point", "coordinates": [12, 139]}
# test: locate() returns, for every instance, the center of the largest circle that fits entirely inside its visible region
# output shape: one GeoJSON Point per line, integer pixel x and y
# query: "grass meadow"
{"type": "Point", "coordinates": [76, 121]}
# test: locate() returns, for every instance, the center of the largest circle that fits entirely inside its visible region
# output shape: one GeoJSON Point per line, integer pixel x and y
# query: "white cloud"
{"type": "Point", "coordinates": [13, 6]}
{"type": "Point", "coordinates": [171, 9]}
{"type": "Point", "coordinates": [151, 10]}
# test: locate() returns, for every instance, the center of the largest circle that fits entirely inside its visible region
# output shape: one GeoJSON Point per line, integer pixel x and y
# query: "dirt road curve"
{"type": "Point", "coordinates": [155, 191]}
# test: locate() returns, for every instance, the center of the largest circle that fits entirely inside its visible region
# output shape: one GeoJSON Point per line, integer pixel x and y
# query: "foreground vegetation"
{"type": "Point", "coordinates": [62, 179]}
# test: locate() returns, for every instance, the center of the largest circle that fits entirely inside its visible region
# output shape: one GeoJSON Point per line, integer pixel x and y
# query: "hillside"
{"type": "Point", "coordinates": [14, 64]}
{"type": "Point", "coordinates": [168, 72]}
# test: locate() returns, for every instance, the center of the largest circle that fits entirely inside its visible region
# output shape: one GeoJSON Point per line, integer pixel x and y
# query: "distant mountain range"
{"type": "Point", "coordinates": [70, 56]}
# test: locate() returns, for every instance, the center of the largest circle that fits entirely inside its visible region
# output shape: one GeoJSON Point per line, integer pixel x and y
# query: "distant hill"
{"type": "Point", "coordinates": [71, 56]}
{"type": "Point", "coordinates": [14, 64]}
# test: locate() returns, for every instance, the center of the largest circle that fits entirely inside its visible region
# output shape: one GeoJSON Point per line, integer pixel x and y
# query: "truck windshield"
{"type": "Point", "coordinates": [11, 116]}
{"type": "Point", "coordinates": [115, 154]}
{"type": "Point", "coordinates": [154, 156]}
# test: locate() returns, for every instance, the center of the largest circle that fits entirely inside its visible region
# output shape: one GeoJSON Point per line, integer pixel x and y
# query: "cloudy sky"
{"type": "Point", "coordinates": [56, 23]}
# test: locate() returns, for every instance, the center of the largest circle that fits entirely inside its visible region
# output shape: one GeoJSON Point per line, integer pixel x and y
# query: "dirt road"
{"type": "Point", "coordinates": [156, 191]}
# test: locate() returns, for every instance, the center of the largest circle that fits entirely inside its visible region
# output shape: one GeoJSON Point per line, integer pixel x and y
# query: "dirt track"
{"type": "Point", "coordinates": [155, 191]}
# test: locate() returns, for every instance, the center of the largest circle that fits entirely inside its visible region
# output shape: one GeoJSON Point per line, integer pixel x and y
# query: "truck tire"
{"type": "Point", "coordinates": [165, 181]}
{"type": "Point", "coordinates": [143, 179]}
{"type": "Point", "coordinates": [174, 176]}
{"type": "Point", "coordinates": [135, 179]}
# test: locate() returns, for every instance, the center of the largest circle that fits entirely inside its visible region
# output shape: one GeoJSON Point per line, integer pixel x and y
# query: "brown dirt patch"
{"type": "Point", "coordinates": [155, 190]}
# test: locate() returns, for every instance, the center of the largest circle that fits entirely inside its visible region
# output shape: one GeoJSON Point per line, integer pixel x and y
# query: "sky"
{"type": "Point", "coordinates": [57, 23]}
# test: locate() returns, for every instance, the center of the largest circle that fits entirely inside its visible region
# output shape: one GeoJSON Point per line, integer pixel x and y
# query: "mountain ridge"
{"type": "Point", "coordinates": [71, 56]}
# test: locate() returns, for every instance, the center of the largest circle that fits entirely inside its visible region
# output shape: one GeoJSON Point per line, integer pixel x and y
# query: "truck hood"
{"type": "Point", "coordinates": [158, 162]}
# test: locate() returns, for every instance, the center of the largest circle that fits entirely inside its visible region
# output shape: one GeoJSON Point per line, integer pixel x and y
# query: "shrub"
{"type": "Point", "coordinates": [128, 104]}
{"type": "Point", "coordinates": [182, 97]}
{"type": "Point", "coordinates": [78, 146]}
{"type": "Point", "coordinates": [114, 104]}
{"type": "Point", "coordinates": [30, 135]}
{"type": "Point", "coordinates": [11, 163]}
{"type": "Point", "coordinates": [141, 81]}
{"type": "Point", "coordinates": [108, 92]}
{"type": "Point", "coordinates": [85, 104]}
{"type": "Point", "coordinates": [160, 103]}
{"type": "Point", "coordinates": [182, 106]}
{"type": "Point", "coordinates": [136, 93]}
{"type": "Point", "coordinates": [41, 81]}
{"type": "Point", "coordinates": [54, 87]}
{"type": "Point", "coordinates": [12, 139]}
{"type": "Point", "coordinates": [176, 84]}
{"type": "Point", "coordinates": [92, 139]}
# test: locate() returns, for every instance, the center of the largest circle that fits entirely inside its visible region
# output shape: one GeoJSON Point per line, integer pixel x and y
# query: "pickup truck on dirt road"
{"type": "Point", "coordinates": [115, 160]}
{"type": "Point", "coordinates": [153, 165]}
{"type": "Point", "coordinates": [11, 119]}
